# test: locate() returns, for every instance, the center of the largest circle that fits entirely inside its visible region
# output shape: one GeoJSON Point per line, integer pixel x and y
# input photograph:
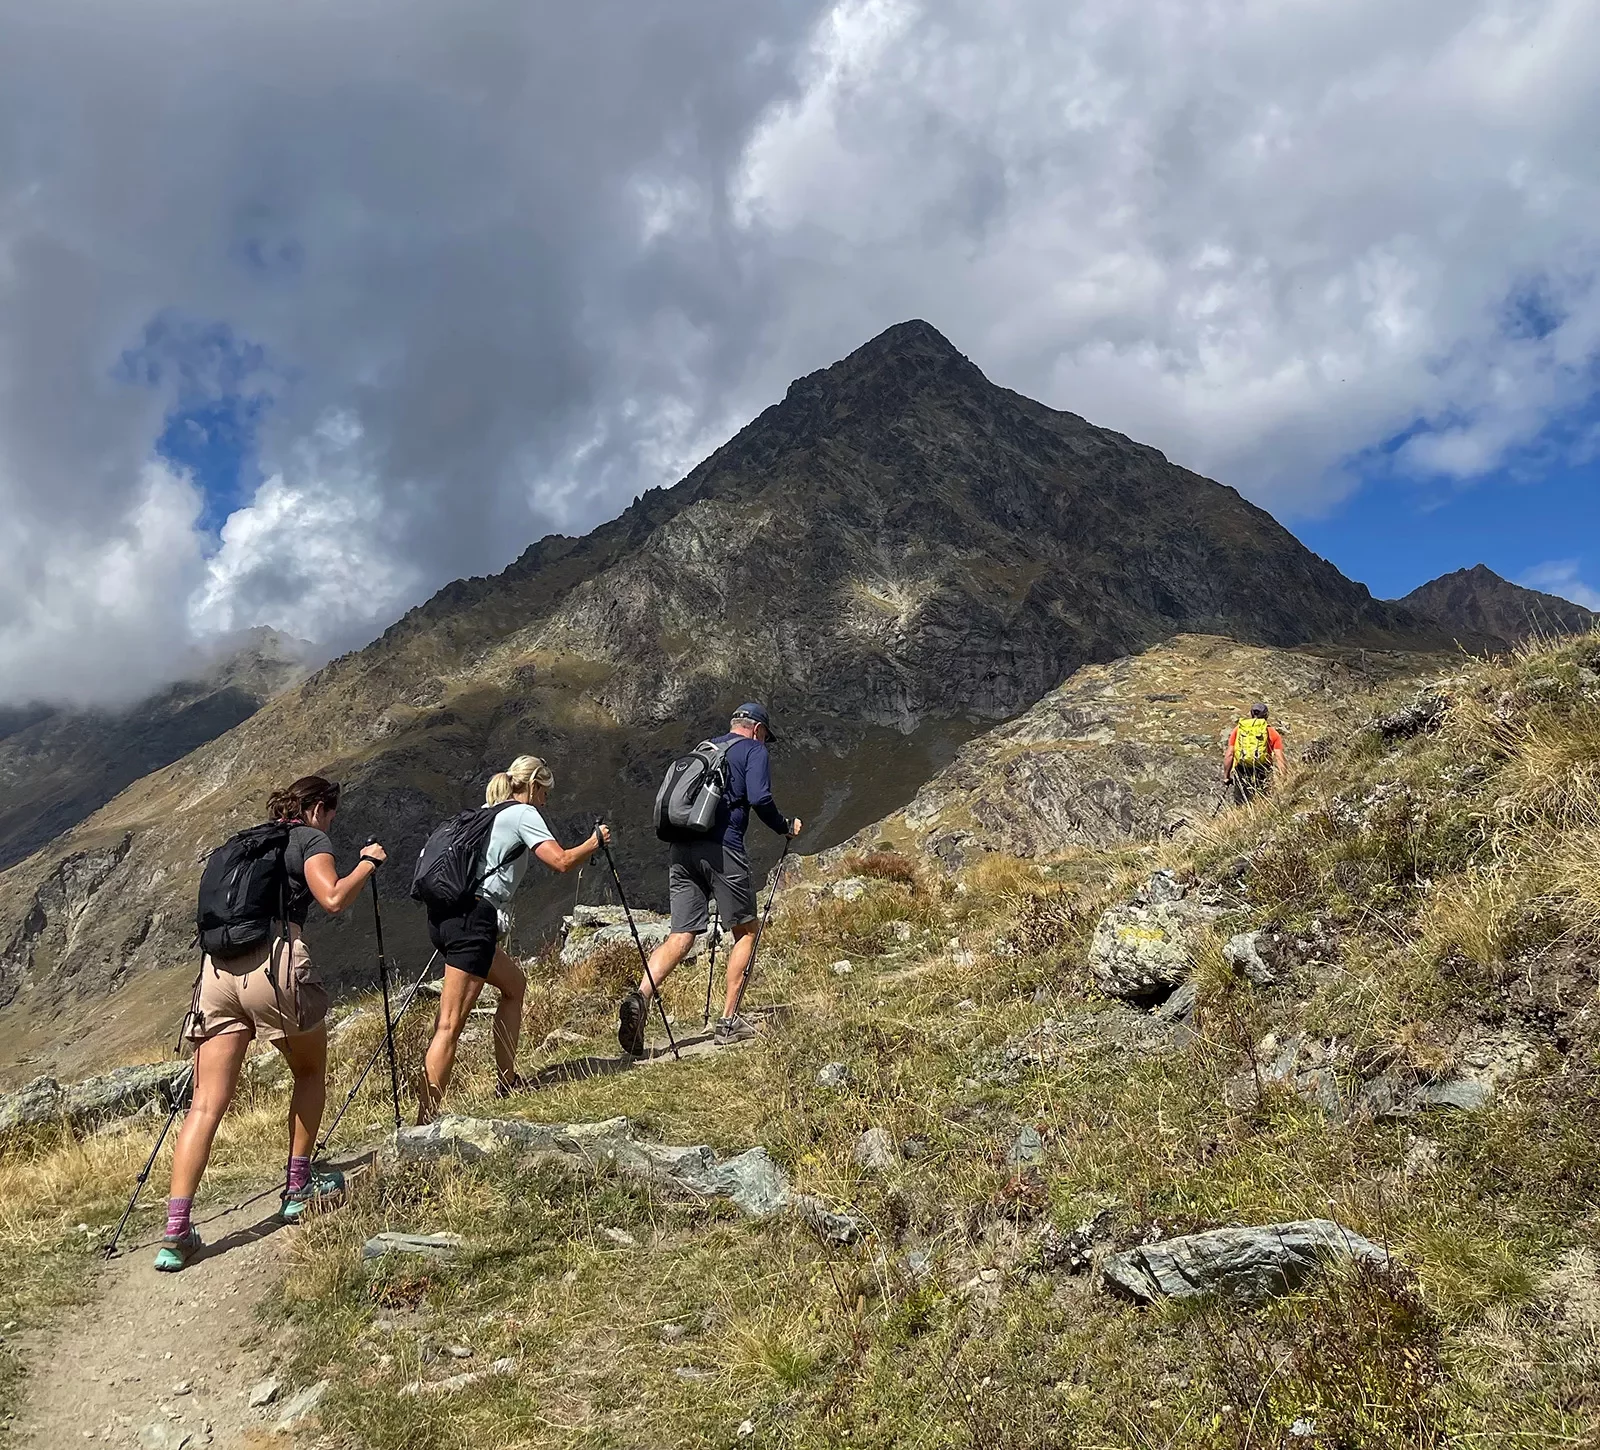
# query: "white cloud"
{"type": "Point", "coordinates": [533, 262]}
{"type": "Point", "coordinates": [1561, 576]}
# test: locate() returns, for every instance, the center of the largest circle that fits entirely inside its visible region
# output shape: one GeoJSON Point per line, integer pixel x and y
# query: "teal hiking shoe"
{"type": "Point", "coordinates": [178, 1253]}
{"type": "Point", "coordinates": [323, 1185]}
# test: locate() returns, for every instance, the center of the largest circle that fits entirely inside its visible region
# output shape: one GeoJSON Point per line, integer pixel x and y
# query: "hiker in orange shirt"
{"type": "Point", "coordinates": [1255, 751]}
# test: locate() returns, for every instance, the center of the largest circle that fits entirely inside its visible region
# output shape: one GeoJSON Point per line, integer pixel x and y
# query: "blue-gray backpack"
{"type": "Point", "coordinates": [244, 891]}
{"type": "Point", "coordinates": [450, 868]}
{"type": "Point", "coordinates": [691, 794]}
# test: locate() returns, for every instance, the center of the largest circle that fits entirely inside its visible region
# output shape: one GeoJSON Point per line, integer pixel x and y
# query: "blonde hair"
{"type": "Point", "coordinates": [524, 771]}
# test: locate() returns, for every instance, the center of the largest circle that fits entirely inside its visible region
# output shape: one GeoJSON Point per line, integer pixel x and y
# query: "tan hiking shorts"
{"type": "Point", "coordinates": [240, 994]}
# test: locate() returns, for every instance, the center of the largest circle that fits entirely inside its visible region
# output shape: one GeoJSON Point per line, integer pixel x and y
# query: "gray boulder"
{"type": "Point", "coordinates": [301, 1408]}
{"type": "Point", "coordinates": [1247, 1265]}
{"type": "Point", "coordinates": [1144, 952]}
{"type": "Point", "coordinates": [115, 1094]}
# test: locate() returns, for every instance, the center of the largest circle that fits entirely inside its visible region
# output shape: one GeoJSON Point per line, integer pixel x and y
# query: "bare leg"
{"type": "Point", "coordinates": [457, 998]}
{"type": "Point", "coordinates": [505, 976]}
{"type": "Point", "coordinates": [216, 1074]}
{"type": "Point", "coordinates": [663, 959]}
{"type": "Point", "coordinates": [307, 1056]}
{"type": "Point", "coordinates": [744, 943]}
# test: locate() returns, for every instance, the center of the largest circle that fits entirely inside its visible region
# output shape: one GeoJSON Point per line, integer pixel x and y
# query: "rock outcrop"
{"type": "Point", "coordinates": [1247, 1265]}
{"type": "Point", "coordinates": [751, 1181]}
{"type": "Point", "coordinates": [1129, 751]}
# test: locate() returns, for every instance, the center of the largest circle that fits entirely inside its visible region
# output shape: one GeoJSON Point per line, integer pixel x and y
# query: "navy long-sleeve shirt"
{"type": "Point", "coordinates": [749, 789]}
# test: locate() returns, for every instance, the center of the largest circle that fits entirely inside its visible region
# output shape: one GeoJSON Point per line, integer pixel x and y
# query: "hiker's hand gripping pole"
{"type": "Point", "coordinates": [383, 981]}
{"type": "Point", "coordinates": [644, 958]}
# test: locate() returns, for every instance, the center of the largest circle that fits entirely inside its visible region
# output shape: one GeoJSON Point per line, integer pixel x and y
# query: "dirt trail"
{"type": "Point", "coordinates": [111, 1371]}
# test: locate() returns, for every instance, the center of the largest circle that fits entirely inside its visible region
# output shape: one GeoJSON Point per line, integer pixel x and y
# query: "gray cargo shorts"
{"type": "Point", "coordinates": [701, 868]}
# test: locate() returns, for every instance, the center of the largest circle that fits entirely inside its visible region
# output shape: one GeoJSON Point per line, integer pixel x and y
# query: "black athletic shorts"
{"type": "Point", "coordinates": [701, 869]}
{"type": "Point", "coordinates": [467, 942]}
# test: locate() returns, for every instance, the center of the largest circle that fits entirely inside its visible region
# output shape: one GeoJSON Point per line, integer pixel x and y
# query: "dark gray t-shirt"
{"type": "Point", "coordinates": [304, 843]}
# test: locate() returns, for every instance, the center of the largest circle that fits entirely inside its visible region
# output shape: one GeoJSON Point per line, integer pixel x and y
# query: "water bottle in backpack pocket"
{"type": "Point", "coordinates": [691, 796]}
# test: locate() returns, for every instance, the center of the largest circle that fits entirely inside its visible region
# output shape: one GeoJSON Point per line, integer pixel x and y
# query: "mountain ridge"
{"type": "Point", "coordinates": [896, 555]}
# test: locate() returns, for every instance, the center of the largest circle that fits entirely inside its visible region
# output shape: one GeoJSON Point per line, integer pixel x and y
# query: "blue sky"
{"type": "Point", "coordinates": [1395, 534]}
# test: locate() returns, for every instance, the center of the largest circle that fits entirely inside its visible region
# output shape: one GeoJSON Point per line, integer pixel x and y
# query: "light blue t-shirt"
{"type": "Point", "coordinates": [513, 824]}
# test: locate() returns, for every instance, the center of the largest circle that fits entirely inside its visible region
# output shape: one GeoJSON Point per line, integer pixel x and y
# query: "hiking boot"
{"type": "Point", "coordinates": [737, 1028]}
{"type": "Point", "coordinates": [324, 1183]}
{"type": "Point", "coordinates": [178, 1253]}
{"type": "Point", "coordinates": [516, 1083]}
{"type": "Point", "coordinates": [631, 1017]}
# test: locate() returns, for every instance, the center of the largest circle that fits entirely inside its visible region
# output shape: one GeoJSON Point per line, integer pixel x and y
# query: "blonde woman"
{"type": "Point", "coordinates": [470, 943]}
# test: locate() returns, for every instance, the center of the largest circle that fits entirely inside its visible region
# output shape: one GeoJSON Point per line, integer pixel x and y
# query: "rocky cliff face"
{"type": "Point", "coordinates": [59, 766]}
{"type": "Point", "coordinates": [895, 556]}
{"type": "Point", "coordinates": [1477, 601]}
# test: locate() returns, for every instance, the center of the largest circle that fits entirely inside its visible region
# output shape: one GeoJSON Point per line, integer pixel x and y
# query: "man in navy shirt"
{"type": "Point", "coordinates": [716, 864]}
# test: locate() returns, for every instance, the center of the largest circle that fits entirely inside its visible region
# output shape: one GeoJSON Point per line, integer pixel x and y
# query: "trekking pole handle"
{"type": "Point", "coordinates": [371, 860]}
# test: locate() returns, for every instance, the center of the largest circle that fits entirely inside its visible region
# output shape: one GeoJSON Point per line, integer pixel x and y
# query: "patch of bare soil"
{"type": "Point", "coordinates": [163, 1361]}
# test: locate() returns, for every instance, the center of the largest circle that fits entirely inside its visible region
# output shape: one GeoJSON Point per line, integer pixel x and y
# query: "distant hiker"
{"type": "Point", "coordinates": [702, 810]}
{"type": "Point", "coordinates": [1255, 751]}
{"type": "Point", "coordinates": [467, 921]}
{"type": "Point", "coordinates": [256, 978]}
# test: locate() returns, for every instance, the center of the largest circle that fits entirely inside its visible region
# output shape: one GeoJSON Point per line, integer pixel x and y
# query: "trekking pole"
{"type": "Point", "coordinates": [750, 968]}
{"type": "Point", "coordinates": [650, 977]}
{"type": "Point", "coordinates": [383, 981]}
{"type": "Point", "coordinates": [405, 1006]}
{"type": "Point", "coordinates": [711, 969]}
{"type": "Point", "coordinates": [184, 1082]}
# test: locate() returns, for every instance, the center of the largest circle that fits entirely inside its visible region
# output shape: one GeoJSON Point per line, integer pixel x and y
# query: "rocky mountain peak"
{"type": "Point", "coordinates": [1478, 601]}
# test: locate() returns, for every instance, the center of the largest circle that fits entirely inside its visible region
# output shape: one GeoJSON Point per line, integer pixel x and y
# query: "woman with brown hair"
{"type": "Point", "coordinates": [470, 942]}
{"type": "Point", "coordinates": [271, 990]}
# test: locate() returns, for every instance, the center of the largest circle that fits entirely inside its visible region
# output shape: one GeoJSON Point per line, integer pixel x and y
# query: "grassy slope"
{"type": "Point", "coordinates": [1452, 879]}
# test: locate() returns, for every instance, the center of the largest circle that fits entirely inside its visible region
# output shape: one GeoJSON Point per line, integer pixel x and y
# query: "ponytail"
{"type": "Point", "coordinates": [498, 790]}
{"type": "Point", "coordinates": [294, 801]}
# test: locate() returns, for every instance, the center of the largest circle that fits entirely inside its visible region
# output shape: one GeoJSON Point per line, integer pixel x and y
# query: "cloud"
{"type": "Point", "coordinates": [1561, 576]}
{"type": "Point", "coordinates": [455, 276]}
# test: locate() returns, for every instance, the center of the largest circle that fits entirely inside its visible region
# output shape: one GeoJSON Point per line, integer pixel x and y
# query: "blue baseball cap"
{"type": "Point", "coordinates": [757, 715]}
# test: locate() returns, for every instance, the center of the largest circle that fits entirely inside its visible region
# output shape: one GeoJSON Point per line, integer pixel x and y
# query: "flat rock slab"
{"type": "Point", "coordinates": [432, 1246]}
{"type": "Point", "coordinates": [751, 1181]}
{"type": "Point", "coordinates": [1247, 1265]}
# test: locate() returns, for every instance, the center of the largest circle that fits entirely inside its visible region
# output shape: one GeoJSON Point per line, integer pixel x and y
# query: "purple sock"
{"type": "Point", "coordinates": [178, 1217]}
{"type": "Point", "coordinates": [299, 1173]}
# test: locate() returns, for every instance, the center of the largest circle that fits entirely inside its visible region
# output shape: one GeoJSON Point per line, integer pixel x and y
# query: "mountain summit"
{"type": "Point", "coordinates": [895, 556]}
{"type": "Point", "coordinates": [1478, 601]}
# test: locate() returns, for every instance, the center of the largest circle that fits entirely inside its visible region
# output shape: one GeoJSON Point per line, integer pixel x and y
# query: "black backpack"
{"type": "Point", "coordinates": [690, 795]}
{"type": "Point", "coordinates": [451, 867]}
{"type": "Point", "coordinates": [244, 891]}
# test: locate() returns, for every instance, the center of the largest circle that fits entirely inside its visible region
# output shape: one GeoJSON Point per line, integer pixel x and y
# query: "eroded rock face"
{"type": "Point", "coordinates": [1247, 1265]}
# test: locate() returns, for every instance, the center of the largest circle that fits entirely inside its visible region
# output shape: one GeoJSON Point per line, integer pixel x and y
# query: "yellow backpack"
{"type": "Point", "coordinates": [1250, 744]}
